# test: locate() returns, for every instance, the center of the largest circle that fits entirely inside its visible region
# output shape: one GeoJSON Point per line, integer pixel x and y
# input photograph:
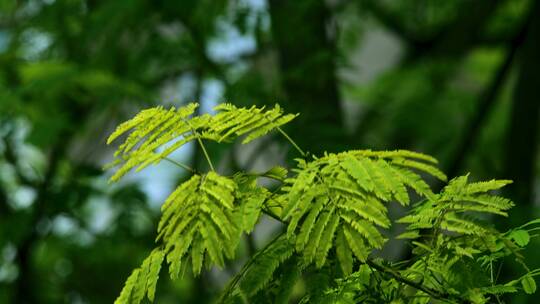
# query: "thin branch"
{"type": "Point", "coordinates": [394, 274]}
{"type": "Point", "coordinates": [205, 154]}
{"type": "Point", "coordinates": [391, 22]}
{"type": "Point", "coordinates": [461, 34]}
{"type": "Point", "coordinates": [272, 215]}
{"type": "Point", "coordinates": [292, 142]}
{"type": "Point", "coordinates": [179, 164]}
{"type": "Point", "coordinates": [200, 144]}
{"type": "Point", "coordinates": [230, 287]}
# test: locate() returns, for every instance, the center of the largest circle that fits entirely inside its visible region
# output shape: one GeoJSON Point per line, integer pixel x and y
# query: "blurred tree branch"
{"type": "Point", "coordinates": [392, 22]}
{"type": "Point", "coordinates": [25, 248]}
{"type": "Point", "coordinates": [459, 36]}
{"type": "Point", "coordinates": [453, 39]}
{"type": "Point", "coordinates": [11, 157]}
{"type": "Point", "coordinates": [522, 136]}
{"type": "Point", "coordinates": [26, 277]}
{"type": "Point", "coordinates": [486, 100]}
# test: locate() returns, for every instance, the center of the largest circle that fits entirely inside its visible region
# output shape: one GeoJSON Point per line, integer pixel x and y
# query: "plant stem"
{"type": "Point", "coordinates": [228, 290]}
{"type": "Point", "coordinates": [185, 167]}
{"type": "Point", "coordinates": [200, 144]}
{"type": "Point", "coordinates": [205, 153]}
{"type": "Point", "coordinates": [291, 141]}
{"type": "Point", "coordinates": [272, 215]}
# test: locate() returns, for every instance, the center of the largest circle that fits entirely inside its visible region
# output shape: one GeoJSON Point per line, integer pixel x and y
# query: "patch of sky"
{"type": "Point", "coordinates": [231, 44]}
{"type": "Point", "coordinates": [4, 40]}
{"type": "Point", "coordinates": [63, 225]}
{"type": "Point", "coordinates": [23, 197]}
{"type": "Point", "coordinates": [35, 43]}
{"type": "Point", "coordinates": [212, 94]}
{"type": "Point", "coordinates": [100, 214]}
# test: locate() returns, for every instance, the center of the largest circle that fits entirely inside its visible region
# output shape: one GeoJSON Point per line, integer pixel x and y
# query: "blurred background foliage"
{"type": "Point", "coordinates": [455, 79]}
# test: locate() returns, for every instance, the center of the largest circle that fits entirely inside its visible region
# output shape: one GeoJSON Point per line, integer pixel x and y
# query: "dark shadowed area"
{"type": "Point", "coordinates": [456, 79]}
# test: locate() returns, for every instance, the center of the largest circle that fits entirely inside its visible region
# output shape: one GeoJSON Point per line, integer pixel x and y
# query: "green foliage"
{"type": "Point", "coordinates": [451, 209]}
{"type": "Point", "coordinates": [261, 270]}
{"type": "Point", "coordinates": [156, 128]}
{"type": "Point", "coordinates": [344, 194]}
{"type": "Point", "coordinates": [334, 209]}
{"type": "Point", "coordinates": [142, 280]}
{"type": "Point", "coordinates": [528, 283]}
{"type": "Point", "coordinates": [198, 218]}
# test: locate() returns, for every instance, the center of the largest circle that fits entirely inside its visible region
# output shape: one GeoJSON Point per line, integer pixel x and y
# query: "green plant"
{"type": "Point", "coordinates": [334, 208]}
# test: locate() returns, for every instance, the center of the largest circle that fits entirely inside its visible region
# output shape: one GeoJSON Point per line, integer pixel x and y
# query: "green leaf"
{"type": "Point", "coordinates": [153, 273]}
{"type": "Point", "coordinates": [356, 244]}
{"type": "Point", "coordinates": [142, 280]}
{"type": "Point", "coordinates": [528, 284]}
{"type": "Point", "coordinates": [364, 274]}
{"type": "Point", "coordinates": [344, 253]}
{"type": "Point", "coordinates": [129, 286]}
{"type": "Point", "coordinates": [309, 223]}
{"type": "Point", "coordinates": [276, 172]}
{"type": "Point", "coordinates": [431, 170]}
{"type": "Point", "coordinates": [358, 171]}
{"type": "Point", "coordinates": [487, 185]}
{"type": "Point", "coordinates": [263, 265]}
{"type": "Point", "coordinates": [289, 275]}
{"type": "Point", "coordinates": [521, 237]}
{"type": "Point", "coordinates": [409, 235]}
{"type": "Point", "coordinates": [158, 129]}
{"type": "Point", "coordinates": [202, 222]}
{"type": "Point", "coordinates": [251, 210]}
